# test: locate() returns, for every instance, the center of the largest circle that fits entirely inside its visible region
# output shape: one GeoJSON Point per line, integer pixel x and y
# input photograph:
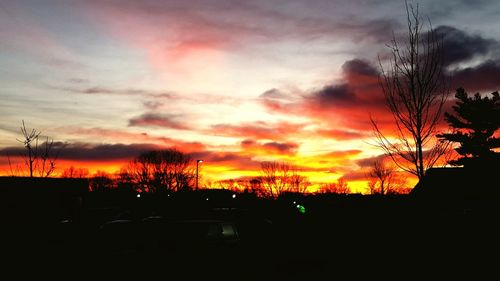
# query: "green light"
{"type": "Point", "coordinates": [301, 209]}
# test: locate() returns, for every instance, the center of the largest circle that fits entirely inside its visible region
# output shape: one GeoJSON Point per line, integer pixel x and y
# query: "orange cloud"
{"type": "Point", "coordinates": [258, 130]}
{"type": "Point", "coordinates": [342, 134]}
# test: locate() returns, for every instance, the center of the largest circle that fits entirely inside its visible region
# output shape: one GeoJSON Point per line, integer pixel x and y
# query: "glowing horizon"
{"type": "Point", "coordinates": [232, 83]}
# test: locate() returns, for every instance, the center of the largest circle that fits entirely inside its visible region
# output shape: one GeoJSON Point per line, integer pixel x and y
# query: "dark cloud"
{"type": "Point", "coordinates": [484, 77]}
{"type": "Point", "coordinates": [333, 94]}
{"type": "Point", "coordinates": [158, 120]}
{"type": "Point", "coordinates": [286, 148]}
{"type": "Point", "coordinates": [346, 103]}
{"type": "Point", "coordinates": [90, 152]}
{"type": "Point", "coordinates": [359, 86]}
{"type": "Point", "coordinates": [247, 143]}
{"type": "Point", "coordinates": [359, 67]}
{"type": "Point", "coordinates": [460, 46]}
{"type": "Point", "coordinates": [281, 147]}
{"type": "Point", "coordinates": [116, 135]}
{"type": "Point", "coordinates": [230, 159]}
{"type": "Point", "coordinates": [351, 100]}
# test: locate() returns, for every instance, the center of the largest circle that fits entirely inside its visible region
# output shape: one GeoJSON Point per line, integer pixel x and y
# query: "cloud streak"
{"type": "Point", "coordinates": [89, 152]}
{"type": "Point", "coordinates": [269, 148]}
{"type": "Point", "coordinates": [169, 121]}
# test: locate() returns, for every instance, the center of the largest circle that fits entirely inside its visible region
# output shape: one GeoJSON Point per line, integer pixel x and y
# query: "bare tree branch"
{"type": "Point", "coordinates": [415, 92]}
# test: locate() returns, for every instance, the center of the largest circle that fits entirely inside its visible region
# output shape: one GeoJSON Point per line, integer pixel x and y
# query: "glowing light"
{"type": "Point", "coordinates": [234, 196]}
{"type": "Point", "coordinates": [301, 209]}
{"type": "Point", "coordinates": [138, 195]}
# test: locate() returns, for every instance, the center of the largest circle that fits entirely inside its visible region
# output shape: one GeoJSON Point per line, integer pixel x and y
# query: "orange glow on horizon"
{"type": "Point", "coordinates": [319, 169]}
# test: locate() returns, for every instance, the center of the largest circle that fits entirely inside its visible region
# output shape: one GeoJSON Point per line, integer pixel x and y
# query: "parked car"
{"type": "Point", "coordinates": [187, 236]}
{"type": "Point", "coordinates": [119, 236]}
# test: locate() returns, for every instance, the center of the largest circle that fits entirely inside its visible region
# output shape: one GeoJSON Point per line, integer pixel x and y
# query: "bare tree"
{"type": "Point", "coordinates": [415, 91]}
{"type": "Point", "coordinates": [297, 182]}
{"type": "Point", "coordinates": [73, 172]}
{"type": "Point", "coordinates": [279, 177]}
{"type": "Point", "coordinates": [167, 169]}
{"type": "Point", "coordinates": [274, 175]}
{"type": "Point", "coordinates": [385, 179]}
{"type": "Point", "coordinates": [339, 187]}
{"type": "Point", "coordinates": [40, 158]}
{"type": "Point", "coordinates": [30, 142]}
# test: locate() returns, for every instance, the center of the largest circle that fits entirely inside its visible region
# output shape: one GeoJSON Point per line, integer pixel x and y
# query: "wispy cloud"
{"type": "Point", "coordinates": [96, 90]}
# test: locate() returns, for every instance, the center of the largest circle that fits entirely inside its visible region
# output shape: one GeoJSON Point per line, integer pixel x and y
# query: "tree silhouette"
{"type": "Point", "coordinates": [40, 158]}
{"type": "Point", "coordinates": [279, 177]}
{"type": "Point", "coordinates": [385, 180]}
{"type": "Point", "coordinates": [73, 172]}
{"type": "Point", "coordinates": [167, 169]}
{"type": "Point", "coordinates": [415, 93]}
{"type": "Point", "coordinates": [339, 187]}
{"type": "Point", "coordinates": [475, 121]}
{"type": "Point", "coordinates": [101, 181]}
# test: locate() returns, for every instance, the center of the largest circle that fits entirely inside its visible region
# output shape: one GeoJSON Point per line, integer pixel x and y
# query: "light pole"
{"type": "Point", "coordinates": [197, 164]}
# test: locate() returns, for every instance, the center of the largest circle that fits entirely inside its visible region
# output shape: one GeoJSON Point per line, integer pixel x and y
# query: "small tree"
{"type": "Point", "coordinates": [385, 180]}
{"type": "Point", "coordinates": [297, 182]}
{"type": "Point", "coordinates": [279, 177]}
{"type": "Point", "coordinates": [475, 121]}
{"type": "Point", "coordinates": [274, 177]}
{"type": "Point", "coordinates": [39, 158]}
{"type": "Point", "coordinates": [72, 172]}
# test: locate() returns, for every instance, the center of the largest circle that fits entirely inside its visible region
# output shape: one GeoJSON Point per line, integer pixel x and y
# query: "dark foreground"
{"type": "Point", "coordinates": [355, 237]}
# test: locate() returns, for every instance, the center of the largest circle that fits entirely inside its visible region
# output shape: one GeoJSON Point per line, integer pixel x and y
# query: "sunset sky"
{"type": "Point", "coordinates": [231, 82]}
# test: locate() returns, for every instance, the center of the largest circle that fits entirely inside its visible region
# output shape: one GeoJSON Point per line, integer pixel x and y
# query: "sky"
{"type": "Point", "coordinates": [233, 83]}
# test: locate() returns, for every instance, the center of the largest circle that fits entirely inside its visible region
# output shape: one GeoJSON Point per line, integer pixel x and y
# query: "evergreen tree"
{"type": "Point", "coordinates": [474, 123]}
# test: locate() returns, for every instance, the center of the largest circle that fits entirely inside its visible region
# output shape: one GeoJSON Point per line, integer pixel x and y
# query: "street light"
{"type": "Point", "coordinates": [197, 164]}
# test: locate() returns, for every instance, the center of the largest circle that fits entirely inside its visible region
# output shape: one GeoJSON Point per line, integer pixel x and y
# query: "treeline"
{"type": "Point", "coordinates": [171, 170]}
